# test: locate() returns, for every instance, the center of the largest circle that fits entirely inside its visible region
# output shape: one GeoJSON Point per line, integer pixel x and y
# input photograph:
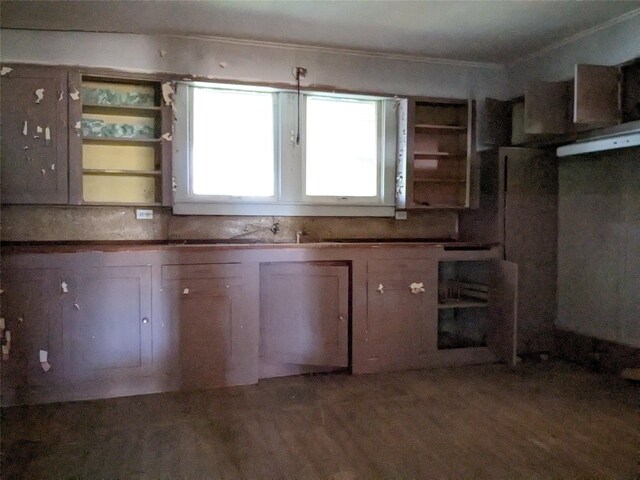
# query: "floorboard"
{"type": "Point", "coordinates": [541, 420]}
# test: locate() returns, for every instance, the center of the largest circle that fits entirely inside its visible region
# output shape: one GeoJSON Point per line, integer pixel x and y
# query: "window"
{"type": "Point", "coordinates": [341, 155]}
{"type": "Point", "coordinates": [220, 150]}
{"type": "Point", "coordinates": [235, 152]}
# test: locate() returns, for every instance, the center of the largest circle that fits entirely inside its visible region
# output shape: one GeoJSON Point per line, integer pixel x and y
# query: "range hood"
{"type": "Point", "coordinates": [621, 136]}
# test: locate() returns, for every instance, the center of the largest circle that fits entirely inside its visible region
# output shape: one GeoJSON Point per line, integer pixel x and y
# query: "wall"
{"type": "Point", "coordinates": [599, 245]}
{"type": "Point", "coordinates": [598, 231]}
{"type": "Point", "coordinates": [612, 44]}
{"type": "Point", "coordinates": [240, 61]}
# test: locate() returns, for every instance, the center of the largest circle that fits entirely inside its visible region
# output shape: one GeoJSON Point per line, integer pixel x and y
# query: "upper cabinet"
{"type": "Point", "coordinates": [553, 112]}
{"type": "Point", "coordinates": [69, 138]}
{"type": "Point", "coordinates": [118, 141]}
{"type": "Point", "coordinates": [437, 154]}
{"type": "Point", "coordinates": [597, 95]}
{"type": "Point", "coordinates": [34, 135]}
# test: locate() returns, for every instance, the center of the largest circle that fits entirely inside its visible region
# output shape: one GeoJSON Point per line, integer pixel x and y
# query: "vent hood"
{"type": "Point", "coordinates": [621, 136]}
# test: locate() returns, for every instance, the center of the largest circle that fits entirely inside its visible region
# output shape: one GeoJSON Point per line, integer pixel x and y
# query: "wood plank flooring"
{"type": "Point", "coordinates": [545, 420]}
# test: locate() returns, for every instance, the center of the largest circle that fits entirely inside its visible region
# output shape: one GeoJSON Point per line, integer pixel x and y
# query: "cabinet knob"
{"type": "Point", "coordinates": [145, 320]}
{"type": "Point", "coordinates": [341, 318]}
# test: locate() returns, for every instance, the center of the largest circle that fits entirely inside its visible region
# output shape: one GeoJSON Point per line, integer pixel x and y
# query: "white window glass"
{"type": "Point", "coordinates": [233, 143]}
{"type": "Point", "coordinates": [341, 147]}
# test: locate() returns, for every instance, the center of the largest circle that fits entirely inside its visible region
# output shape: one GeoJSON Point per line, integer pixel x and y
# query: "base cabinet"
{"type": "Point", "coordinates": [304, 318]}
{"type": "Point", "coordinates": [32, 317]}
{"type": "Point", "coordinates": [401, 312]}
{"type": "Point", "coordinates": [107, 323]}
{"type": "Point", "coordinates": [211, 342]}
{"type": "Point", "coordinates": [119, 323]}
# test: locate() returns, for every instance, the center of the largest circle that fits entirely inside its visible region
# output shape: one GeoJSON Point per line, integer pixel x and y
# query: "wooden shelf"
{"type": "Point", "coordinates": [462, 303]}
{"type": "Point", "coordinates": [128, 110]}
{"type": "Point", "coordinates": [450, 128]}
{"type": "Point", "coordinates": [127, 173]}
{"type": "Point", "coordinates": [439, 180]}
{"type": "Point", "coordinates": [438, 154]}
{"type": "Point", "coordinates": [121, 141]}
{"type": "Point", "coordinates": [128, 204]}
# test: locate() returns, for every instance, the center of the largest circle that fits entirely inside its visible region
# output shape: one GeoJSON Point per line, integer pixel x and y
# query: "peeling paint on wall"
{"type": "Point", "coordinates": [39, 94]}
{"type": "Point", "coordinates": [75, 95]}
{"type": "Point", "coordinates": [5, 70]}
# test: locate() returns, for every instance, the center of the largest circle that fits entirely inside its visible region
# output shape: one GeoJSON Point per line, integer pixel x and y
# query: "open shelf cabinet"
{"type": "Point", "coordinates": [436, 161]}
{"type": "Point", "coordinates": [477, 309]}
{"type": "Point", "coordinates": [122, 138]}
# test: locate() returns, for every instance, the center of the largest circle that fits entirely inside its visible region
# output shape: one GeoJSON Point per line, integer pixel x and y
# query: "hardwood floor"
{"type": "Point", "coordinates": [546, 420]}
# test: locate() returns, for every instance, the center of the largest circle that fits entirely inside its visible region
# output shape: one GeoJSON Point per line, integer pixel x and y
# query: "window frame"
{"type": "Point", "coordinates": [289, 197]}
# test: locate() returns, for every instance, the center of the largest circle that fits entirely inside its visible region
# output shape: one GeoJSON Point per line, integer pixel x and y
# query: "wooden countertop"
{"type": "Point", "coordinates": [69, 247]}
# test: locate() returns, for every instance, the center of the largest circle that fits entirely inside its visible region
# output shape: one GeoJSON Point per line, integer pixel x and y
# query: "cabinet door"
{"type": "Point", "coordinates": [107, 322]}
{"type": "Point", "coordinates": [545, 107]}
{"type": "Point", "coordinates": [31, 309]}
{"type": "Point", "coordinates": [401, 325]}
{"type": "Point", "coordinates": [503, 311]}
{"type": "Point", "coordinates": [597, 95]}
{"type": "Point", "coordinates": [34, 135]}
{"type": "Point", "coordinates": [205, 312]}
{"type": "Point", "coordinates": [497, 122]}
{"type": "Point", "coordinates": [304, 312]}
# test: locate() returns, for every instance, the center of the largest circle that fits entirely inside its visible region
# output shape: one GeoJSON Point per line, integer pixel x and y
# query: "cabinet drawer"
{"type": "Point", "coordinates": [401, 266]}
{"type": "Point", "coordinates": [202, 270]}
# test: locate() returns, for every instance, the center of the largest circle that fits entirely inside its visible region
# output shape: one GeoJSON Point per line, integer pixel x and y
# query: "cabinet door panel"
{"type": "Point", "coordinates": [545, 107]}
{"type": "Point", "coordinates": [401, 326]}
{"type": "Point", "coordinates": [597, 95]}
{"type": "Point", "coordinates": [108, 322]}
{"type": "Point", "coordinates": [210, 319]}
{"type": "Point", "coordinates": [304, 314]}
{"type": "Point", "coordinates": [503, 311]}
{"type": "Point", "coordinates": [497, 122]}
{"type": "Point", "coordinates": [32, 311]}
{"type": "Point", "coordinates": [206, 311]}
{"type": "Point", "coordinates": [34, 136]}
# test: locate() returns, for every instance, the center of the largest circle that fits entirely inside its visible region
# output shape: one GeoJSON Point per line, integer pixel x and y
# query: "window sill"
{"type": "Point", "coordinates": [284, 210]}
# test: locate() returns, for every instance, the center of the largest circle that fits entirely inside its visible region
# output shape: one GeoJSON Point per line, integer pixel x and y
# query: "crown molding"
{"type": "Point", "coordinates": [298, 47]}
{"type": "Point", "coordinates": [574, 37]}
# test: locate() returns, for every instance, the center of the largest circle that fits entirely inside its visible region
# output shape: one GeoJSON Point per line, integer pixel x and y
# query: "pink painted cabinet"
{"type": "Point", "coordinates": [33, 111]}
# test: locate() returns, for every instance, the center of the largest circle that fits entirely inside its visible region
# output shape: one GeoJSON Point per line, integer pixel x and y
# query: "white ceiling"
{"type": "Point", "coordinates": [477, 31]}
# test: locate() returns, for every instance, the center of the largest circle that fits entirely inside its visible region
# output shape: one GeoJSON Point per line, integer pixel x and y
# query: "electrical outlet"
{"type": "Point", "coordinates": [144, 214]}
{"type": "Point", "coordinates": [401, 215]}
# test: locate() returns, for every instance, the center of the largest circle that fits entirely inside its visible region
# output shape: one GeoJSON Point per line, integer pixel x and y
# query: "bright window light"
{"type": "Point", "coordinates": [341, 148]}
{"type": "Point", "coordinates": [233, 143]}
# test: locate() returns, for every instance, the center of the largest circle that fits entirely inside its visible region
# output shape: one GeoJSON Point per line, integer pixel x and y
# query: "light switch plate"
{"type": "Point", "coordinates": [144, 214]}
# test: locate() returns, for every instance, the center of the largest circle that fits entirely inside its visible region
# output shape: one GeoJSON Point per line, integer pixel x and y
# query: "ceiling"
{"type": "Point", "coordinates": [477, 31]}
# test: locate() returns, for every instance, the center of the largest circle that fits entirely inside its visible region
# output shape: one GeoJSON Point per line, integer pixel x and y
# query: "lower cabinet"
{"type": "Point", "coordinates": [401, 312]}
{"type": "Point", "coordinates": [211, 339]}
{"type": "Point", "coordinates": [31, 312]}
{"type": "Point", "coordinates": [103, 324]}
{"type": "Point", "coordinates": [107, 323]}
{"type": "Point", "coordinates": [477, 311]}
{"type": "Point", "coordinates": [304, 318]}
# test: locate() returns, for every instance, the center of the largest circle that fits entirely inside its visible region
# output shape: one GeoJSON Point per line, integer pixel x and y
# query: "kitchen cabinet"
{"type": "Point", "coordinates": [597, 95]}
{"type": "Point", "coordinates": [401, 321]}
{"type": "Point", "coordinates": [437, 154]}
{"type": "Point", "coordinates": [477, 311]}
{"type": "Point", "coordinates": [519, 195]}
{"type": "Point", "coordinates": [33, 107]}
{"type": "Point", "coordinates": [205, 312]}
{"type": "Point", "coordinates": [33, 321]}
{"type": "Point", "coordinates": [107, 322]}
{"type": "Point", "coordinates": [304, 317]}
{"type": "Point", "coordinates": [121, 142]}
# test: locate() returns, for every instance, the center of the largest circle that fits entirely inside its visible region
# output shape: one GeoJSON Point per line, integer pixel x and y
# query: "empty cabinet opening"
{"type": "Point", "coordinates": [463, 297]}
